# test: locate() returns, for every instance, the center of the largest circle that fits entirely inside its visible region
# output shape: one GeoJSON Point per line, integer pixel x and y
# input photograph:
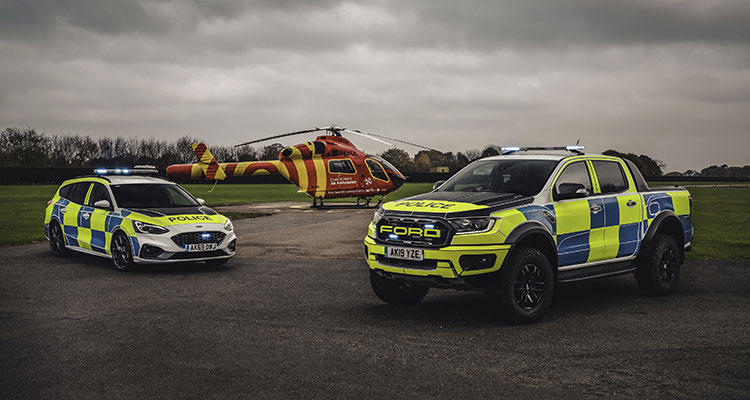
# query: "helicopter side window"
{"type": "Point", "coordinates": [344, 166]}
{"type": "Point", "coordinates": [376, 170]}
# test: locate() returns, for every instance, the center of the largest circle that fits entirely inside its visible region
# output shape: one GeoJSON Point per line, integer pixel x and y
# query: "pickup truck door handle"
{"type": "Point", "coordinates": [86, 215]}
{"type": "Point", "coordinates": [595, 208]}
{"type": "Point", "coordinates": [63, 210]}
{"type": "Point", "coordinates": [631, 203]}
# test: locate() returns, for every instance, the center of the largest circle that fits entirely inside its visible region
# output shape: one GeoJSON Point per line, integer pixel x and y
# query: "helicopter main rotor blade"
{"type": "Point", "coordinates": [371, 137]}
{"type": "Point", "coordinates": [374, 135]}
{"type": "Point", "coordinates": [282, 135]}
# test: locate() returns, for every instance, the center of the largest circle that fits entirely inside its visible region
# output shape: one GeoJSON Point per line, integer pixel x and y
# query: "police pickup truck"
{"type": "Point", "coordinates": [517, 224]}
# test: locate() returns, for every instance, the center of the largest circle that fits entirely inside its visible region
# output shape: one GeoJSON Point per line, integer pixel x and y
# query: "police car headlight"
{"type": "Point", "coordinates": [378, 216]}
{"type": "Point", "coordinates": [144, 227]}
{"type": "Point", "coordinates": [228, 225]}
{"type": "Point", "coordinates": [472, 225]}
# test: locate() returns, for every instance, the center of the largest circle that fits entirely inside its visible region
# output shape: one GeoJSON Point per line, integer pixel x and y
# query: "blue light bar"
{"type": "Point", "coordinates": [429, 226]}
{"type": "Point", "coordinates": [205, 236]}
{"type": "Point", "coordinates": [574, 147]}
{"type": "Point", "coordinates": [393, 236]}
{"type": "Point", "coordinates": [511, 149]}
{"type": "Point", "coordinates": [138, 169]}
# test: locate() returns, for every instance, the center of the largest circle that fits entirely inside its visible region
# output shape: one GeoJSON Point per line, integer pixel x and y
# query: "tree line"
{"type": "Point", "coordinates": [25, 147]}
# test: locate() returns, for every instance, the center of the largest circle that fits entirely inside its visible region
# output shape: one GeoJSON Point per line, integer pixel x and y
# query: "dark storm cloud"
{"type": "Point", "coordinates": [635, 75]}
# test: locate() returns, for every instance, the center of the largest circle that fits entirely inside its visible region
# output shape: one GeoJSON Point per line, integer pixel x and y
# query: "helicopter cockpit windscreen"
{"type": "Point", "coordinates": [523, 177]}
{"type": "Point", "coordinates": [385, 163]}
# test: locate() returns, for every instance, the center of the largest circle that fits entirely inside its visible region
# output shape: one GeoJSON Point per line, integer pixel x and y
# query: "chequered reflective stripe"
{"type": "Point", "coordinates": [615, 231]}
{"type": "Point", "coordinates": [92, 233]}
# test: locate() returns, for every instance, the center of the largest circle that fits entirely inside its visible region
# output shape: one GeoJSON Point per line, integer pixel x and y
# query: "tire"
{"type": "Point", "coordinates": [122, 252]}
{"type": "Point", "coordinates": [524, 287]}
{"type": "Point", "coordinates": [57, 241]}
{"type": "Point", "coordinates": [396, 293]}
{"type": "Point", "coordinates": [217, 262]}
{"type": "Point", "coordinates": [659, 272]}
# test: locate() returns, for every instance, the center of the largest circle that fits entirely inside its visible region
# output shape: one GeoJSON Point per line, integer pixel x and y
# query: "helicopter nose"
{"type": "Point", "coordinates": [398, 180]}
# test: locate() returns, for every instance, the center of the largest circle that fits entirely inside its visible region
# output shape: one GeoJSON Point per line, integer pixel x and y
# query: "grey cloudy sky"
{"type": "Point", "coordinates": [670, 78]}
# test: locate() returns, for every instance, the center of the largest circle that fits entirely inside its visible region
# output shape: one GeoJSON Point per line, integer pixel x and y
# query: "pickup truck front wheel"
{"type": "Point", "coordinates": [396, 293]}
{"type": "Point", "coordinates": [524, 288]}
{"type": "Point", "coordinates": [659, 272]}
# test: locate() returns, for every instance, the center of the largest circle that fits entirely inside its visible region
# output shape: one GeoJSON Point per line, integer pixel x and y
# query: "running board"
{"type": "Point", "coordinates": [596, 271]}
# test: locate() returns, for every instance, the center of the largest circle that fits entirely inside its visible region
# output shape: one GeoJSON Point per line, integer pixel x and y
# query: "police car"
{"type": "Point", "coordinates": [515, 225]}
{"type": "Point", "coordinates": [131, 217]}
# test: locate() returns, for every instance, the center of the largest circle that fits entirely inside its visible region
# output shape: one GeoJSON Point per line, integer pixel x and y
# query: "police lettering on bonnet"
{"type": "Point", "coordinates": [515, 225]}
{"type": "Point", "coordinates": [133, 218]}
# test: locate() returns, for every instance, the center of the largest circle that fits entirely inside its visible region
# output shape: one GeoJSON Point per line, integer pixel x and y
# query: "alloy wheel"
{"type": "Point", "coordinates": [528, 287]}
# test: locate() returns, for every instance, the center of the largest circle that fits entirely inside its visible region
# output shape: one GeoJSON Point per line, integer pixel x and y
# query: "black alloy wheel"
{"type": "Point", "coordinates": [57, 240]}
{"type": "Point", "coordinates": [122, 254]}
{"type": "Point", "coordinates": [523, 288]}
{"type": "Point", "coordinates": [528, 287]}
{"type": "Point", "coordinates": [659, 270]}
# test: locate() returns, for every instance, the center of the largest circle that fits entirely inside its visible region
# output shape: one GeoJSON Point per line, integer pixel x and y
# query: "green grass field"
{"type": "Point", "coordinates": [720, 218]}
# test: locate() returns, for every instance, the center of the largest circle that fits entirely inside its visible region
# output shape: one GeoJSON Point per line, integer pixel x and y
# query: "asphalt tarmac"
{"type": "Point", "coordinates": [293, 316]}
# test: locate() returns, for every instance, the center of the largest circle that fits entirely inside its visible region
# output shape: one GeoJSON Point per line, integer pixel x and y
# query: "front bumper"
{"type": "Point", "coordinates": [441, 262]}
{"type": "Point", "coordinates": [158, 249]}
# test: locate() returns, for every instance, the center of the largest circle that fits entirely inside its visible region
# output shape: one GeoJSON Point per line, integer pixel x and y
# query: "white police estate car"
{"type": "Point", "coordinates": [134, 218]}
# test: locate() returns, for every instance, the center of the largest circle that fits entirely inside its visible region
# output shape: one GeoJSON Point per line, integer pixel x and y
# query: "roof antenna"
{"type": "Point", "coordinates": [578, 142]}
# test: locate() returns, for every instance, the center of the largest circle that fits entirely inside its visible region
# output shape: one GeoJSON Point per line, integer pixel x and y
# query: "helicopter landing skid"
{"type": "Point", "coordinates": [362, 203]}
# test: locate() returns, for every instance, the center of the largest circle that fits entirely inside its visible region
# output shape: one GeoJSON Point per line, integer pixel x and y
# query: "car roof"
{"type": "Point", "coordinates": [131, 179]}
{"type": "Point", "coordinates": [537, 156]}
{"type": "Point", "coordinates": [540, 156]}
{"type": "Point", "coordinates": [120, 179]}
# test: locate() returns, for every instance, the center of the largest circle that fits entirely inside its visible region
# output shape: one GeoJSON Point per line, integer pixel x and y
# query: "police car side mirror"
{"type": "Point", "coordinates": [104, 204]}
{"type": "Point", "coordinates": [437, 184]}
{"type": "Point", "coordinates": [201, 201]}
{"type": "Point", "coordinates": [571, 191]}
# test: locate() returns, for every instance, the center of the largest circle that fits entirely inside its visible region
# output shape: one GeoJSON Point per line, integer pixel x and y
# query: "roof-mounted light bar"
{"type": "Point", "coordinates": [574, 148]}
{"type": "Point", "coordinates": [136, 170]}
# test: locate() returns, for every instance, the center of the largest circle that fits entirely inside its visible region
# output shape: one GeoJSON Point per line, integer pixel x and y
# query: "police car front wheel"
{"type": "Point", "coordinates": [524, 287]}
{"type": "Point", "coordinates": [122, 254]}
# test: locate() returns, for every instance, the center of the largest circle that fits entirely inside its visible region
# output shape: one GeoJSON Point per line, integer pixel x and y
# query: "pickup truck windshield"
{"type": "Point", "coordinates": [524, 177]}
{"type": "Point", "coordinates": [151, 196]}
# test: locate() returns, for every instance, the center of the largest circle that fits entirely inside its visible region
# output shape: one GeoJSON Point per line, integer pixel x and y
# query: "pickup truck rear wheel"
{"type": "Point", "coordinates": [396, 293]}
{"type": "Point", "coordinates": [659, 272]}
{"type": "Point", "coordinates": [524, 288]}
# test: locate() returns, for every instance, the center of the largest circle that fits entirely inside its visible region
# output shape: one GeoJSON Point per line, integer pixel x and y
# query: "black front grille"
{"type": "Point", "coordinates": [414, 231]}
{"type": "Point", "coordinates": [197, 254]}
{"type": "Point", "coordinates": [184, 239]}
{"type": "Point", "coordinates": [411, 264]}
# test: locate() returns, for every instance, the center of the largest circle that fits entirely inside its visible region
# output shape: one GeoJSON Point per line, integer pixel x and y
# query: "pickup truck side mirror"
{"type": "Point", "coordinates": [104, 204]}
{"type": "Point", "coordinates": [437, 184]}
{"type": "Point", "coordinates": [571, 191]}
{"type": "Point", "coordinates": [201, 201]}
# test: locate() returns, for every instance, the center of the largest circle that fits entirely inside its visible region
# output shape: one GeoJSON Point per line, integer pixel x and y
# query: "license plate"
{"type": "Point", "coordinates": [404, 253]}
{"type": "Point", "coordinates": [201, 247]}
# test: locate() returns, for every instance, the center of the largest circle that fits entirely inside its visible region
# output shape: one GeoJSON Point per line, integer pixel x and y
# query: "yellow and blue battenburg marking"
{"type": "Point", "coordinates": [613, 232]}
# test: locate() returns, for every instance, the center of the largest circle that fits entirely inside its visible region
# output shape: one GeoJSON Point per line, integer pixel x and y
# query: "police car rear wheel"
{"type": "Point", "coordinates": [122, 254]}
{"type": "Point", "coordinates": [659, 273]}
{"type": "Point", "coordinates": [524, 288]}
{"type": "Point", "coordinates": [57, 241]}
{"type": "Point", "coordinates": [396, 293]}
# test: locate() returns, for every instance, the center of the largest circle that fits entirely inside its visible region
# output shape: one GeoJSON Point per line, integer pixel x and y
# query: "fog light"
{"type": "Point", "coordinates": [232, 245]}
{"type": "Point", "coordinates": [478, 261]}
{"type": "Point", "coordinates": [148, 251]}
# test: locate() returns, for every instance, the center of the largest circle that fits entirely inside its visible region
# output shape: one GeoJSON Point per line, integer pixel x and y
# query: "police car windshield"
{"type": "Point", "coordinates": [519, 176]}
{"type": "Point", "coordinates": [151, 196]}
